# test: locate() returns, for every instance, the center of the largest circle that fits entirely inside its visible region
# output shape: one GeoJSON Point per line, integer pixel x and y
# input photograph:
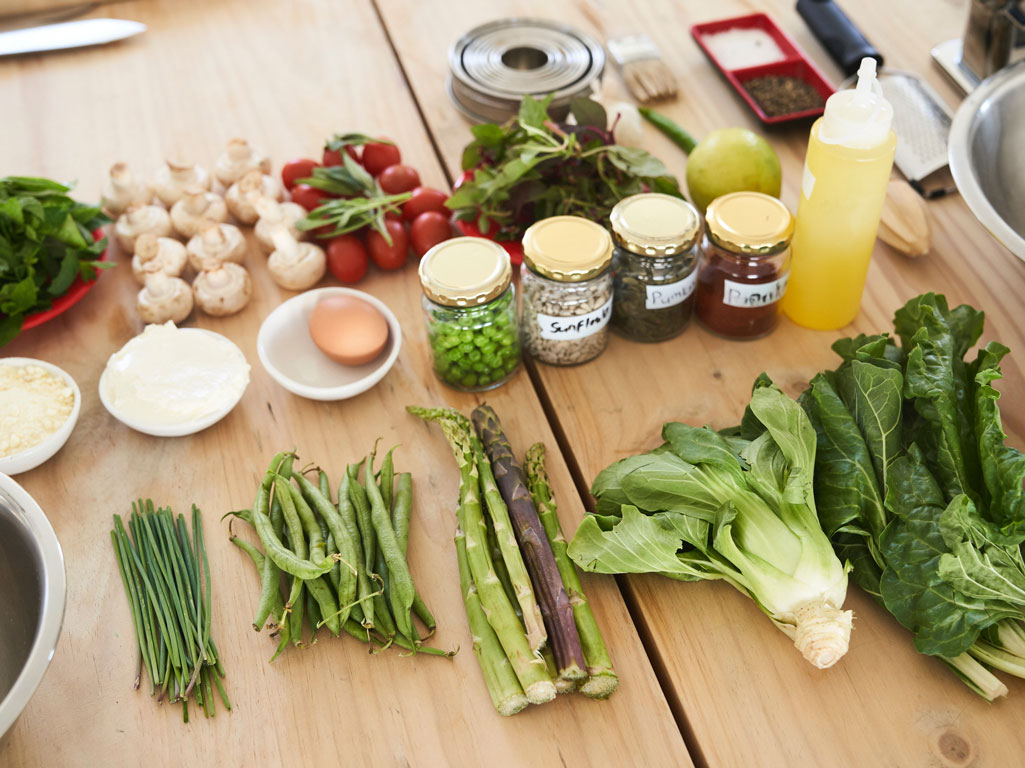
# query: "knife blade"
{"type": "Point", "coordinates": [71, 34]}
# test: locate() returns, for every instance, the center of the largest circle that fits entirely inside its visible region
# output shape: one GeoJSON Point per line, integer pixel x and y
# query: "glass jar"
{"type": "Point", "coordinates": [653, 265]}
{"type": "Point", "coordinates": [469, 306]}
{"type": "Point", "coordinates": [746, 263]}
{"type": "Point", "coordinates": [567, 289]}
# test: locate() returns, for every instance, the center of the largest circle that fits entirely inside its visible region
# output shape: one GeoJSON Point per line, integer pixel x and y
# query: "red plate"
{"type": "Point", "coordinates": [74, 294]}
{"type": "Point", "coordinates": [793, 64]}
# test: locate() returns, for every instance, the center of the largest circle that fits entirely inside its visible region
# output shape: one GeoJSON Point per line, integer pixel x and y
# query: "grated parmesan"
{"type": "Point", "coordinates": [34, 404]}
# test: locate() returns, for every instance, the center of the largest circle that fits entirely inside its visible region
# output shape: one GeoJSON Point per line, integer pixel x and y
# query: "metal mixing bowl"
{"type": "Point", "coordinates": [987, 155]}
{"type": "Point", "coordinates": [33, 588]}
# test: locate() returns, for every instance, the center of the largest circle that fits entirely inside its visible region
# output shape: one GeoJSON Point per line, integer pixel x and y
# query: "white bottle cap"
{"type": "Point", "coordinates": [858, 117]}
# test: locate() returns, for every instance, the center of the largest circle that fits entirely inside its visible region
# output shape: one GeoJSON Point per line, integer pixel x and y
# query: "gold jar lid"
{"type": "Point", "coordinates": [653, 224]}
{"type": "Point", "coordinates": [749, 222]}
{"type": "Point", "coordinates": [567, 248]}
{"type": "Point", "coordinates": [465, 272]}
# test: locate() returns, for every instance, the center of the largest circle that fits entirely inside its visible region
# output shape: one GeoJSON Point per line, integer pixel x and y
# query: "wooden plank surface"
{"type": "Point", "coordinates": [284, 75]}
{"type": "Point", "coordinates": [741, 692]}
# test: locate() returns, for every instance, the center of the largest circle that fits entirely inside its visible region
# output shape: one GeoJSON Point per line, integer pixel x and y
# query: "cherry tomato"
{"type": "Point", "coordinates": [308, 197]}
{"type": "Point", "coordinates": [377, 157]}
{"type": "Point", "coordinates": [427, 230]}
{"type": "Point", "coordinates": [396, 215]}
{"type": "Point", "coordinates": [398, 178]}
{"type": "Point", "coordinates": [389, 256]}
{"type": "Point", "coordinates": [294, 170]}
{"type": "Point", "coordinates": [424, 199]}
{"type": "Point", "coordinates": [347, 258]}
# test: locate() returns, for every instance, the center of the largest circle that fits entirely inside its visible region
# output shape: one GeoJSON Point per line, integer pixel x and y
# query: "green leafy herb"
{"type": "Point", "coordinates": [531, 168]}
{"type": "Point", "coordinates": [46, 243]}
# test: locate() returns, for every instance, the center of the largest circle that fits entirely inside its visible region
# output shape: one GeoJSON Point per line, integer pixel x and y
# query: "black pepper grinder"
{"type": "Point", "coordinates": [838, 35]}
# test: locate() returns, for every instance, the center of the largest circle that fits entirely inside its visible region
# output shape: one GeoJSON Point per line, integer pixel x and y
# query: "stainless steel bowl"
{"type": "Point", "coordinates": [33, 588]}
{"type": "Point", "coordinates": [987, 155]}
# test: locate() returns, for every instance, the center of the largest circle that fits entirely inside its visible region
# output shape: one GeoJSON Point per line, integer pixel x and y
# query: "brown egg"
{"type": "Point", "coordinates": [348, 330]}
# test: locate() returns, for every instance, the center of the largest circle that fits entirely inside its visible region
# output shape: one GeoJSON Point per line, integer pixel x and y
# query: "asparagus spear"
{"type": "Point", "coordinates": [512, 558]}
{"type": "Point", "coordinates": [537, 552]}
{"type": "Point", "coordinates": [602, 680]}
{"type": "Point", "coordinates": [530, 669]}
{"type": "Point", "coordinates": [505, 690]}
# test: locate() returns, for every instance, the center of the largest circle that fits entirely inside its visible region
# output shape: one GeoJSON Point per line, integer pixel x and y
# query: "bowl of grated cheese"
{"type": "Point", "coordinates": [39, 406]}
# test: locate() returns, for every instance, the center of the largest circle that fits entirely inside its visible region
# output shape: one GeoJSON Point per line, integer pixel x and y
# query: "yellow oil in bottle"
{"type": "Point", "coordinates": [842, 194]}
{"type": "Point", "coordinates": [850, 154]}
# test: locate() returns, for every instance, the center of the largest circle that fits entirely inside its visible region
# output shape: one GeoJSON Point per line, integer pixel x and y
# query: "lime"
{"type": "Point", "coordinates": [732, 160]}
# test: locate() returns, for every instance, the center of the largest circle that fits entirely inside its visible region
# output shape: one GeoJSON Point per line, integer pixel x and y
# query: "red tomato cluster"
{"type": "Point", "coordinates": [423, 224]}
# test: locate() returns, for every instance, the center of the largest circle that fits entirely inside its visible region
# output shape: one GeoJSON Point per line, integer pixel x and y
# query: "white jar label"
{"type": "Point", "coordinates": [807, 182]}
{"type": "Point", "coordinates": [753, 294]}
{"type": "Point", "coordinates": [574, 326]}
{"type": "Point", "coordinates": [670, 294]}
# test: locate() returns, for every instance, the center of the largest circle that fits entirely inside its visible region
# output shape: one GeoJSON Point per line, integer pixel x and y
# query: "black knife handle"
{"type": "Point", "coordinates": [837, 33]}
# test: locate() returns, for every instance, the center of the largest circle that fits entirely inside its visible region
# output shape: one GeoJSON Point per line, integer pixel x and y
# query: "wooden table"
{"type": "Point", "coordinates": [705, 676]}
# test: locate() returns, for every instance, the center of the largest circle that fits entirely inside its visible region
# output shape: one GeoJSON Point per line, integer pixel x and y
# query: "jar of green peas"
{"type": "Point", "coordinates": [470, 310]}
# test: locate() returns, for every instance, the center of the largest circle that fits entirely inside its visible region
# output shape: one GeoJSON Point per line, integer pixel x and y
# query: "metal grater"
{"type": "Point", "coordinates": [921, 121]}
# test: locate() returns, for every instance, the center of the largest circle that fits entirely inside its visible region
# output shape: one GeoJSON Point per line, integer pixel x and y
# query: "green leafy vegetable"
{"type": "Point", "coordinates": [46, 243]}
{"type": "Point", "coordinates": [531, 168]}
{"type": "Point", "coordinates": [696, 509]}
{"type": "Point", "coordinates": [916, 487]}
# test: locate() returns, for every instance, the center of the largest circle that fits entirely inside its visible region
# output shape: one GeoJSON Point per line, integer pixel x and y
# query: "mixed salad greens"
{"type": "Point", "coordinates": [46, 242]}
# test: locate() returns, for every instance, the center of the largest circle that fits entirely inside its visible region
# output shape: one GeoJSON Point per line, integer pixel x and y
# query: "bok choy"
{"type": "Point", "coordinates": [707, 505]}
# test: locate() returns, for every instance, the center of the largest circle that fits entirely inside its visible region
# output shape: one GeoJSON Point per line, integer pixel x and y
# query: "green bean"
{"type": "Point", "coordinates": [295, 617]}
{"type": "Point", "coordinates": [286, 560]}
{"type": "Point", "coordinates": [386, 481]}
{"type": "Point", "coordinates": [314, 534]}
{"type": "Point", "coordinates": [347, 586]}
{"type": "Point", "coordinates": [324, 485]}
{"type": "Point", "coordinates": [400, 582]}
{"type": "Point", "coordinates": [325, 597]}
{"type": "Point", "coordinates": [358, 497]}
{"type": "Point", "coordinates": [270, 574]}
{"type": "Point", "coordinates": [313, 615]}
{"type": "Point", "coordinates": [424, 614]}
{"type": "Point", "coordinates": [402, 509]}
{"type": "Point", "coordinates": [347, 511]}
{"type": "Point", "coordinates": [384, 623]}
{"type": "Point", "coordinates": [293, 523]}
{"type": "Point", "coordinates": [335, 574]}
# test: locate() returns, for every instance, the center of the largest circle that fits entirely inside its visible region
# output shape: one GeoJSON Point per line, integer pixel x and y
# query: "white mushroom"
{"type": "Point", "coordinates": [274, 215]}
{"type": "Point", "coordinates": [238, 158]}
{"type": "Point", "coordinates": [174, 178]}
{"type": "Point", "coordinates": [241, 196]}
{"type": "Point", "coordinates": [222, 288]}
{"type": "Point", "coordinates": [163, 297]}
{"type": "Point", "coordinates": [121, 190]}
{"type": "Point", "coordinates": [196, 209]}
{"type": "Point", "coordinates": [294, 265]}
{"type": "Point", "coordinates": [139, 220]}
{"type": "Point", "coordinates": [167, 253]}
{"type": "Point", "coordinates": [216, 242]}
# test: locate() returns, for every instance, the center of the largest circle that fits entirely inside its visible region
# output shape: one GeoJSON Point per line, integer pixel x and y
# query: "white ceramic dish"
{"type": "Point", "coordinates": [289, 355]}
{"type": "Point", "coordinates": [30, 458]}
{"type": "Point", "coordinates": [172, 430]}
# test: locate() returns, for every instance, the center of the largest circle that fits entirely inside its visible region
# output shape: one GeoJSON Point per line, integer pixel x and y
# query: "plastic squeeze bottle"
{"type": "Point", "coordinates": [850, 154]}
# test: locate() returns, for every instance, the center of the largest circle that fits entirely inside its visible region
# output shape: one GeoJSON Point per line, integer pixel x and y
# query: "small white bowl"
{"type": "Point", "coordinates": [182, 428]}
{"type": "Point", "coordinates": [288, 353]}
{"type": "Point", "coordinates": [30, 458]}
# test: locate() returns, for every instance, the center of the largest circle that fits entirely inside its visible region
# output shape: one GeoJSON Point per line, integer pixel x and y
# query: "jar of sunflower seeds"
{"type": "Point", "coordinates": [567, 290]}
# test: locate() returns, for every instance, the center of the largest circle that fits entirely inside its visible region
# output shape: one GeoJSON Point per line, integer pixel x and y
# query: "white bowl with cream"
{"type": "Point", "coordinates": [170, 382]}
{"type": "Point", "coordinates": [19, 405]}
{"type": "Point", "coordinates": [290, 356]}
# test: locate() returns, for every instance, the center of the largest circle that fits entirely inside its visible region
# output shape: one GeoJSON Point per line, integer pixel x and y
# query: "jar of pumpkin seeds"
{"type": "Point", "coordinates": [567, 290]}
{"type": "Point", "coordinates": [654, 265]}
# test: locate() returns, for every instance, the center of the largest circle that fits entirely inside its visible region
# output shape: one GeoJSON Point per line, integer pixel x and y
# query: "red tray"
{"type": "Point", "coordinates": [794, 63]}
{"type": "Point", "coordinates": [72, 296]}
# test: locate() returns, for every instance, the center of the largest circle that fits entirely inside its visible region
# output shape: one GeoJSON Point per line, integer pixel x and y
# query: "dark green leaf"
{"type": "Point", "coordinates": [589, 112]}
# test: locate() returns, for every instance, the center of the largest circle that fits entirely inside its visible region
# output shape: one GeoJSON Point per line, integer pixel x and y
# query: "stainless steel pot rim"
{"type": "Point", "coordinates": [572, 59]}
{"type": "Point", "coordinates": [962, 135]}
{"type": "Point", "coordinates": [54, 584]}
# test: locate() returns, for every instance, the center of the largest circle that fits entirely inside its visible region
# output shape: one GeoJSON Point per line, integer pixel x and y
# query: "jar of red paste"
{"type": "Point", "coordinates": [746, 262]}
